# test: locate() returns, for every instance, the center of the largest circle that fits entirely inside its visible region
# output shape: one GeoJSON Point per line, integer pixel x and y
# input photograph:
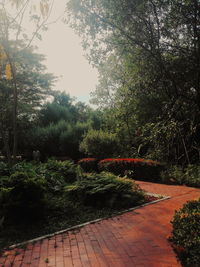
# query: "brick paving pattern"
{"type": "Point", "coordinates": [137, 238]}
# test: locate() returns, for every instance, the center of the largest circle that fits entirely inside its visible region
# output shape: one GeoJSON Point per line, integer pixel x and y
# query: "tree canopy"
{"type": "Point", "coordinates": [34, 85]}
{"type": "Point", "coordinates": [148, 55]}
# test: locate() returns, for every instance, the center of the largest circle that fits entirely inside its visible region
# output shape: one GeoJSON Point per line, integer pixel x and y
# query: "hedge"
{"type": "Point", "coordinates": [89, 164]}
{"type": "Point", "coordinates": [139, 169]}
{"type": "Point", "coordinates": [186, 233]}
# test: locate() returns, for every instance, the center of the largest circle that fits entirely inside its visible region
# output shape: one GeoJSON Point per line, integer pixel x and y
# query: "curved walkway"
{"type": "Point", "coordinates": [137, 238]}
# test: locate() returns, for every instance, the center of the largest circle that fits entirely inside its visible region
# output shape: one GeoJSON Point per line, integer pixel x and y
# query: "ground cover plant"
{"type": "Point", "coordinates": [186, 233]}
{"type": "Point", "coordinates": [106, 190]}
{"type": "Point", "coordinates": [40, 198]}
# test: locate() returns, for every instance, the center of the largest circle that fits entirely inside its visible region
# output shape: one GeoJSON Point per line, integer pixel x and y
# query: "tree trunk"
{"type": "Point", "coordinates": [6, 146]}
{"type": "Point", "coordinates": [15, 107]}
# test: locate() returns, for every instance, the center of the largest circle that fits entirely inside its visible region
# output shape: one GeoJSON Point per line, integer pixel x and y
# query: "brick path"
{"type": "Point", "coordinates": [137, 238]}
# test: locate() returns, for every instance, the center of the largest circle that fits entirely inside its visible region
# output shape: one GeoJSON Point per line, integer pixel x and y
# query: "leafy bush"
{"type": "Point", "coordinates": [4, 170]}
{"type": "Point", "coordinates": [4, 198]}
{"type": "Point", "coordinates": [186, 232]}
{"type": "Point", "coordinates": [89, 164]}
{"type": "Point", "coordinates": [176, 174]}
{"type": "Point", "coordinates": [28, 167]}
{"type": "Point", "coordinates": [105, 190]}
{"type": "Point", "coordinates": [133, 168]}
{"type": "Point", "coordinates": [26, 195]}
{"type": "Point", "coordinates": [99, 144]}
{"type": "Point", "coordinates": [192, 175]}
{"type": "Point", "coordinates": [55, 181]}
{"type": "Point", "coordinates": [67, 169]}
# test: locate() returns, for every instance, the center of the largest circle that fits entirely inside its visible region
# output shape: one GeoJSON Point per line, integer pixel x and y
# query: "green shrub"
{"type": "Point", "coordinates": [4, 180]}
{"type": "Point", "coordinates": [192, 175]}
{"type": "Point", "coordinates": [186, 232]}
{"type": "Point", "coordinates": [28, 167]}
{"type": "Point", "coordinates": [26, 195]}
{"type": "Point", "coordinates": [55, 182]}
{"type": "Point", "coordinates": [4, 199]}
{"type": "Point", "coordinates": [105, 190]}
{"type": "Point", "coordinates": [174, 174]}
{"type": "Point", "coordinates": [139, 169]}
{"type": "Point", "coordinates": [89, 164]}
{"type": "Point", "coordinates": [189, 175]}
{"type": "Point", "coordinates": [99, 144]}
{"type": "Point", "coordinates": [67, 169]}
{"type": "Point", "coordinates": [4, 170]}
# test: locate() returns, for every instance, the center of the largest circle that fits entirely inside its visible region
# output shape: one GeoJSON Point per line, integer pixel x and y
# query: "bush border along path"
{"type": "Point", "coordinates": [135, 238]}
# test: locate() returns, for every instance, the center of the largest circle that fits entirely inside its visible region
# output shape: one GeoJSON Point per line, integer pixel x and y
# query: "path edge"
{"type": "Point", "coordinates": [89, 222]}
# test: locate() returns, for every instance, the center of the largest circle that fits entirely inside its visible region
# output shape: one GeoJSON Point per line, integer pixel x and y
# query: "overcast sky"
{"type": "Point", "coordinates": [65, 58]}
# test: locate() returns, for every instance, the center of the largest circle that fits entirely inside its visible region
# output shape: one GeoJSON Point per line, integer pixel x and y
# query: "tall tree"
{"type": "Point", "coordinates": [33, 84]}
{"type": "Point", "coordinates": [15, 15]}
{"type": "Point", "coordinates": [156, 49]}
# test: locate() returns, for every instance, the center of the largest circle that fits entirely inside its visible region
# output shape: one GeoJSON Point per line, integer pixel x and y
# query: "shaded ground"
{"type": "Point", "coordinates": [137, 238]}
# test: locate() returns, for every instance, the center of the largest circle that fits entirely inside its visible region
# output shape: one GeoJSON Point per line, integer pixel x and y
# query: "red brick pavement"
{"type": "Point", "coordinates": [137, 238]}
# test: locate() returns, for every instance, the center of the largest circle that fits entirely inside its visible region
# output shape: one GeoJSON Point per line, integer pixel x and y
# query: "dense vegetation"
{"type": "Point", "coordinates": [186, 233]}
{"type": "Point", "coordinates": [148, 57]}
{"type": "Point", "coordinates": [39, 198]}
{"type": "Point", "coordinates": [147, 53]}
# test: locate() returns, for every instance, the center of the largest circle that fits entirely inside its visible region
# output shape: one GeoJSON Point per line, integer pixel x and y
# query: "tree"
{"type": "Point", "coordinates": [33, 87]}
{"type": "Point", "coordinates": [155, 79]}
{"type": "Point", "coordinates": [14, 15]}
{"type": "Point", "coordinates": [99, 144]}
{"type": "Point", "coordinates": [61, 126]}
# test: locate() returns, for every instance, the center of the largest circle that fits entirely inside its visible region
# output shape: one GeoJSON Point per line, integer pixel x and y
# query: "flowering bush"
{"type": "Point", "coordinates": [186, 232]}
{"type": "Point", "coordinates": [134, 168]}
{"type": "Point", "coordinates": [89, 164]}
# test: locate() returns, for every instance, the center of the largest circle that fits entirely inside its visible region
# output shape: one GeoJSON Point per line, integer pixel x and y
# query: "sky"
{"type": "Point", "coordinates": [65, 58]}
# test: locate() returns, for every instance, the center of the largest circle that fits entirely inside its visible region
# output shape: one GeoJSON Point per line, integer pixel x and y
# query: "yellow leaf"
{"type": "Point", "coordinates": [8, 72]}
{"type": "Point", "coordinates": [2, 53]}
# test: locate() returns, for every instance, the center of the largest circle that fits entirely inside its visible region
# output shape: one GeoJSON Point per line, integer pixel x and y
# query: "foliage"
{"type": "Point", "coordinates": [23, 166]}
{"type": "Point", "coordinates": [34, 84]}
{"type": "Point", "coordinates": [189, 175]}
{"type": "Point", "coordinates": [105, 190]}
{"type": "Point", "coordinates": [4, 169]}
{"type": "Point", "coordinates": [89, 164]}
{"type": "Point", "coordinates": [173, 174]}
{"type": "Point", "coordinates": [67, 169]}
{"type": "Point", "coordinates": [99, 144]}
{"type": "Point", "coordinates": [147, 53]}
{"type": "Point", "coordinates": [61, 126]}
{"type": "Point", "coordinates": [134, 168]}
{"type": "Point", "coordinates": [14, 18]}
{"type": "Point", "coordinates": [27, 186]}
{"type": "Point", "coordinates": [186, 232]}
{"type": "Point", "coordinates": [25, 196]}
{"type": "Point", "coordinates": [192, 174]}
{"type": "Point", "coordinates": [39, 198]}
